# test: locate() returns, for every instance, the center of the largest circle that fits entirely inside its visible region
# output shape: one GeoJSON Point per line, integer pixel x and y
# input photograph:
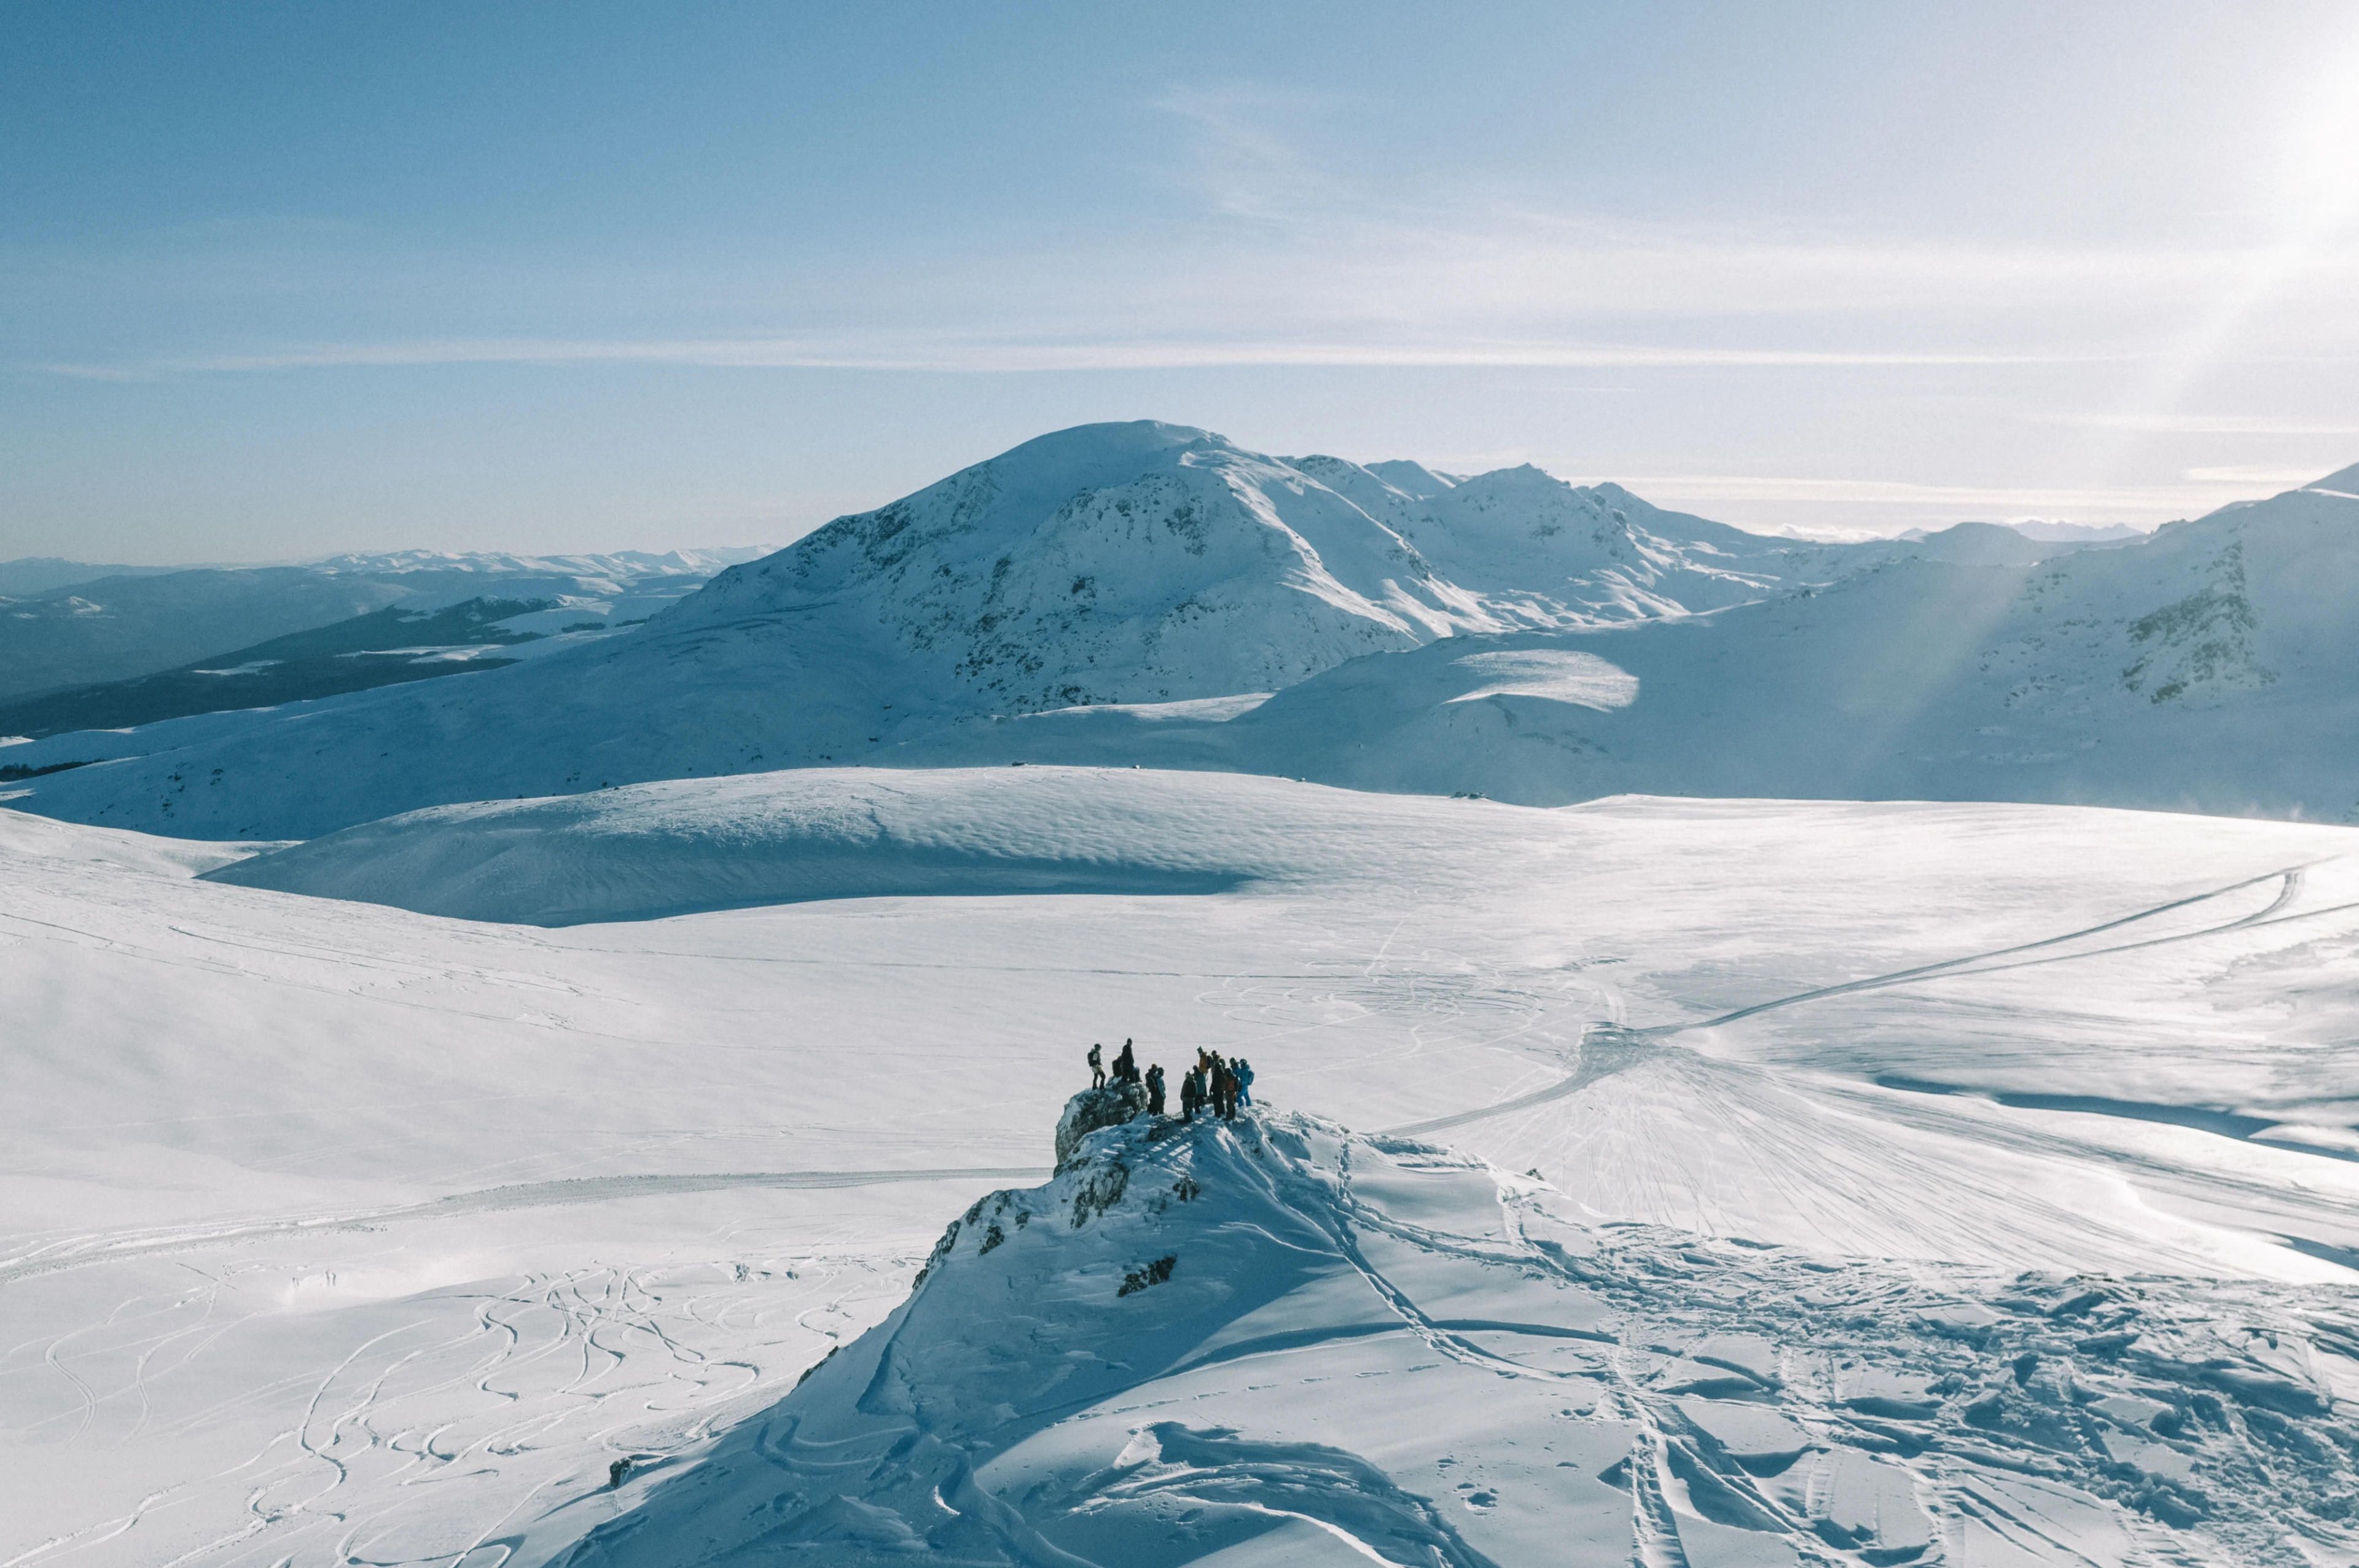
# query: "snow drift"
{"type": "Point", "coordinates": [673, 848]}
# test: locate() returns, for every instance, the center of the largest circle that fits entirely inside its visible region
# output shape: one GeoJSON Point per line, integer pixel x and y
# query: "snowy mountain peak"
{"type": "Point", "coordinates": [1412, 479]}
{"type": "Point", "coordinates": [1155, 562]}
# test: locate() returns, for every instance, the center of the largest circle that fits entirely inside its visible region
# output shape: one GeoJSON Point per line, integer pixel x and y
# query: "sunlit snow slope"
{"type": "Point", "coordinates": [333, 1232]}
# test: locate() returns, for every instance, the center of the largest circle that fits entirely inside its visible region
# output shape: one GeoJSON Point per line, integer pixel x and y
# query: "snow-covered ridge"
{"type": "Point", "coordinates": [1271, 1341]}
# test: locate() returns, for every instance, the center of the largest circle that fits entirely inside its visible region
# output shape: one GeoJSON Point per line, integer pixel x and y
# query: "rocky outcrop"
{"type": "Point", "coordinates": [1092, 1108]}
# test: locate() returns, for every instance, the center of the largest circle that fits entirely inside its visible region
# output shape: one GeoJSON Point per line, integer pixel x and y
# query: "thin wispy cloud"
{"type": "Point", "coordinates": [2005, 500]}
{"type": "Point", "coordinates": [1243, 155]}
{"type": "Point", "coordinates": [889, 354]}
{"type": "Point", "coordinates": [2252, 473]}
{"type": "Point", "coordinates": [2206, 423]}
{"type": "Point", "coordinates": [1390, 293]}
{"type": "Point", "coordinates": [1275, 254]}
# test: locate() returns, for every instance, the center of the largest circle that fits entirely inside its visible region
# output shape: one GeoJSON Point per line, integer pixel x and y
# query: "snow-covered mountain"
{"type": "Point", "coordinates": [1150, 562]}
{"type": "Point", "coordinates": [30, 575]}
{"type": "Point", "coordinates": [1109, 564]}
{"type": "Point", "coordinates": [1128, 594]}
{"type": "Point", "coordinates": [2213, 666]}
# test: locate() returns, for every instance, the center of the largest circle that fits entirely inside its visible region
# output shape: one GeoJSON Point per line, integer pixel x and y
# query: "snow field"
{"type": "Point", "coordinates": [222, 1095]}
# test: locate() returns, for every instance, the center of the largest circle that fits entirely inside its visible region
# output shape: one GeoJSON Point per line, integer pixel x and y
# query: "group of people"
{"type": "Point", "coordinates": [1215, 1084]}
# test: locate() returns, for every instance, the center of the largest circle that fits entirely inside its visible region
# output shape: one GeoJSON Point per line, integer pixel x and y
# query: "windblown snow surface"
{"type": "Point", "coordinates": [1651, 1180]}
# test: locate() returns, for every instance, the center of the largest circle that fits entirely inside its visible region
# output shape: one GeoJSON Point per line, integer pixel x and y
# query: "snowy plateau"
{"type": "Point", "coordinates": [1767, 1053]}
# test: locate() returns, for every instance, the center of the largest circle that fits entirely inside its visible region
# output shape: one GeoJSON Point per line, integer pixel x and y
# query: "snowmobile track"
{"type": "Point", "coordinates": [2292, 881]}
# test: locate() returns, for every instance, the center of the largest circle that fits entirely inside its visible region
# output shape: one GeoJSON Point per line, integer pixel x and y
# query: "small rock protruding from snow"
{"type": "Point", "coordinates": [1093, 1109]}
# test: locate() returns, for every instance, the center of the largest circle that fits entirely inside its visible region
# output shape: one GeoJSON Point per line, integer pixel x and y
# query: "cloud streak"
{"type": "Point", "coordinates": [2009, 500]}
{"type": "Point", "coordinates": [972, 357]}
{"type": "Point", "coordinates": [2207, 424]}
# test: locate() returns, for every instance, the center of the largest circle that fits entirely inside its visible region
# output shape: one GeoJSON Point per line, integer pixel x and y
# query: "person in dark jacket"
{"type": "Point", "coordinates": [1125, 1066]}
{"type": "Point", "coordinates": [1192, 1094]}
{"type": "Point", "coordinates": [1097, 1067]}
{"type": "Point", "coordinates": [1155, 1089]}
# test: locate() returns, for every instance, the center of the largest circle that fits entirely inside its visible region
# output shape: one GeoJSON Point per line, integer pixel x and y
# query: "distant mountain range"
{"type": "Point", "coordinates": [67, 623]}
{"type": "Point", "coordinates": [1130, 594]}
{"type": "Point", "coordinates": [2046, 532]}
{"type": "Point", "coordinates": [39, 574]}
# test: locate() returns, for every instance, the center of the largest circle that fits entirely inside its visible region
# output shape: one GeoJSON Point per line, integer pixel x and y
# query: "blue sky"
{"type": "Point", "coordinates": [281, 280]}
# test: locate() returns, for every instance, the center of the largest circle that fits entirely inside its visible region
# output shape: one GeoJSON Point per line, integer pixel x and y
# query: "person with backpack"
{"type": "Point", "coordinates": [1097, 1067]}
{"type": "Point", "coordinates": [1125, 1066]}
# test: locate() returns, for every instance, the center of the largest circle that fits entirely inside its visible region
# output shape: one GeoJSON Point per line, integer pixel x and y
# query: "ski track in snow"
{"type": "Point", "coordinates": [492, 1392]}
{"type": "Point", "coordinates": [1612, 1051]}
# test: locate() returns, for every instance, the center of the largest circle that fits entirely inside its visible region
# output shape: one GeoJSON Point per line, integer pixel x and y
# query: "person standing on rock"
{"type": "Point", "coordinates": [1191, 1093]}
{"type": "Point", "coordinates": [1225, 1090]}
{"type": "Point", "coordinates": [1125, 1066]}
{"type": "Point", "coordinates": [1097, 1067]}
{"type": "Point", "coordinates": [1244, 1081]}
{"type": "Point", "coordinates": [1155, 1089]}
